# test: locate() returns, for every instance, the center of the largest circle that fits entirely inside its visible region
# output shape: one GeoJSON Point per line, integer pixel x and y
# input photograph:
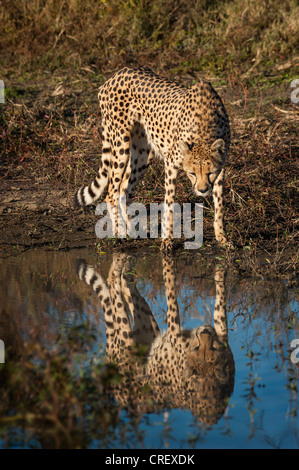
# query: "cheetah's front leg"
{"type": "Point", "coordinates": [219, 209]}
{"type": "Point", "coordinates": [167, 220]}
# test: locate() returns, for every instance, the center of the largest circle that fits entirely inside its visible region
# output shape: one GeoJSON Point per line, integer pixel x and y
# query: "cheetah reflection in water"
{"type": "Point", "coordinates": [191, 369]}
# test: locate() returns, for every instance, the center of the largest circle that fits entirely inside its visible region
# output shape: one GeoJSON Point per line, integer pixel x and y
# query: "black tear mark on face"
{"type": "Point", "coordinates": [190, 146]}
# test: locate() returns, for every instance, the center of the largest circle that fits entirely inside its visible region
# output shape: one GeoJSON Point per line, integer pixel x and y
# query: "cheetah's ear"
{"type": "Point", "coordinates": [218, 146]}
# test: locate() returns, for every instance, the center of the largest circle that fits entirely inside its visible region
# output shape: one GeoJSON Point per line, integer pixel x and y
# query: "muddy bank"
{"type": "Point", "coordinates": [34, 215]}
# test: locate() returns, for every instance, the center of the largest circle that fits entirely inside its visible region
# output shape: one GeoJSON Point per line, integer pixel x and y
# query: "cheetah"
{"type": "Point", "coordinates": [191, 369]}
{"type": "Point", "coordinates": [143, 116]}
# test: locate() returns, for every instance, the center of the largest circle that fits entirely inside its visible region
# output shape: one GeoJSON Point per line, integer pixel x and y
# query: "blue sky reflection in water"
{"type": "Point", "coordinates": [42, 290]}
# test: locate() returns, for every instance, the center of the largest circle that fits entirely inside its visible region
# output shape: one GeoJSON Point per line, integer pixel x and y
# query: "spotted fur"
{"type": "Point", "coordinates": [144, 115]}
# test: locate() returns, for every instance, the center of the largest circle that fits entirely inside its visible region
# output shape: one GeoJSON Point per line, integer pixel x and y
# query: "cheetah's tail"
{"type": "Point", "coordinates": [91, 277]}
{"type": "Point", "coordinates": [88, 194]}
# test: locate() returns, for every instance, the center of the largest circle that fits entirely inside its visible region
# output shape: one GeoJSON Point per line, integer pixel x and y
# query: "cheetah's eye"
{"type": "Point", "coordinates": [192, 174]}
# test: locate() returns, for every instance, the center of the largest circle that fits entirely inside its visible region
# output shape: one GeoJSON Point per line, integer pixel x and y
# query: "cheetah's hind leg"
{"type": "Point", "coordinates": [140, 157]}
{"type": "Point", "coordinates": [88, 194]}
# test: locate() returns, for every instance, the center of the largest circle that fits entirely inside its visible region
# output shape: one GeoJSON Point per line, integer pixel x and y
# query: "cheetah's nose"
{"type": "Point", "coordinates": [203, 192]}
{"type": "Point", "coordinates": [205, 345]}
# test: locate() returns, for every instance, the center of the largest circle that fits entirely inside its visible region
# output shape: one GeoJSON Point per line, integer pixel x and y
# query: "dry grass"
{"type": "Point", "coordinates": [218, 35]}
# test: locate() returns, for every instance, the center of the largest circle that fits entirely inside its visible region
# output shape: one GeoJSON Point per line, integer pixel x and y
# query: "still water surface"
{"type": "Point", "coordinates": [248, 400]}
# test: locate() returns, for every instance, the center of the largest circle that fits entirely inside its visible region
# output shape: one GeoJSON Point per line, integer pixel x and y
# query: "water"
{"type": "Point", "coordinates": [252, 403]}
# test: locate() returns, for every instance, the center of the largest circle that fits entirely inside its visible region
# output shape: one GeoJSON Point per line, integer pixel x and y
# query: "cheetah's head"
{"type": "Point", "coordinates": [209, 374]}
{"type": "Point", "coordinates": [209, 354]}
{"type": "Point", "coordinates": [205, 345]}
{"type": "Point", "coordinates": [203, 166]}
